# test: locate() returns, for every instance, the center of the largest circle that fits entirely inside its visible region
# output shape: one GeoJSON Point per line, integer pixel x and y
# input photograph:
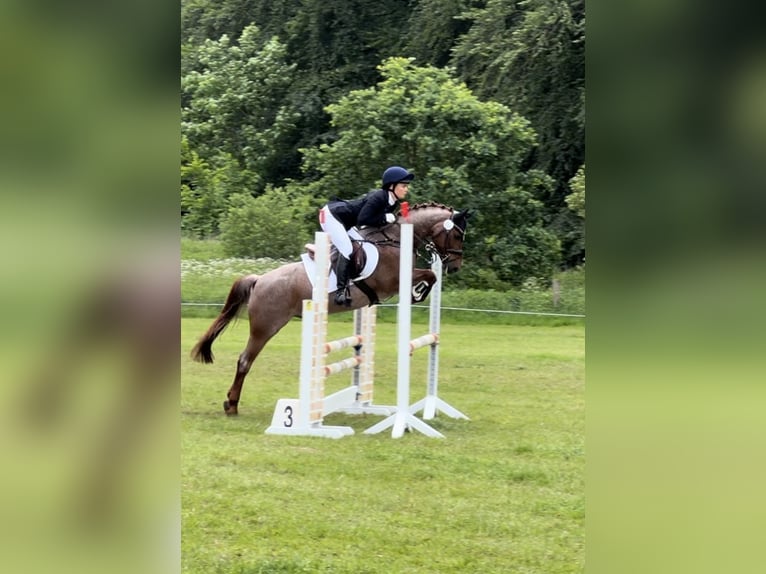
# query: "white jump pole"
{"type": "Point", "coordinates": [403, 419]}
{"type": "Point", "coordinates": [432, 404]}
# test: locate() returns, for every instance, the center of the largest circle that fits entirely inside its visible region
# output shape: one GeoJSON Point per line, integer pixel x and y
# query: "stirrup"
{"type": "Point", "coordinates": [343, 297]}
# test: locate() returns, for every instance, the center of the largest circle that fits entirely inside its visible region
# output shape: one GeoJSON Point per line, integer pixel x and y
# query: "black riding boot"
{"type": "Point", "coordinates": [342, 270]}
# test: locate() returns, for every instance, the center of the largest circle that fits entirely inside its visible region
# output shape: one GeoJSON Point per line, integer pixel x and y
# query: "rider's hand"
{"type": "Point", "coordinates": [390, 217]}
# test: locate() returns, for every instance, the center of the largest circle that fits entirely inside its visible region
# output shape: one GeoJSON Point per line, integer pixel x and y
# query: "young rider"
{"type": "Point", "coordinates": [376, 208]}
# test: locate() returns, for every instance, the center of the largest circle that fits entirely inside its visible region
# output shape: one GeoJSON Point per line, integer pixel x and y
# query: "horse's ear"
{"type": "Point", "coordinates": [462, 217]}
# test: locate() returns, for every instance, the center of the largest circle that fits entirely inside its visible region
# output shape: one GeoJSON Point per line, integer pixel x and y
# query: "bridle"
{"type": "Point", "coordinates": [449, 254]}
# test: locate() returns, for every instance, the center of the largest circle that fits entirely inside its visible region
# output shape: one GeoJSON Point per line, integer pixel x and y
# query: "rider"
{"type": "Point", "coordinates": [373, 209]}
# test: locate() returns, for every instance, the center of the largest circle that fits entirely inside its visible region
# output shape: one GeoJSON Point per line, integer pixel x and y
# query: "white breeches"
{"type": "Point", "coordinates": [336, 231]}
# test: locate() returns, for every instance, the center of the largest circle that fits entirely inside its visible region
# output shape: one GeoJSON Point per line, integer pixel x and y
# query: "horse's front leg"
{"type": "Point", "coordinates": [423, 281]}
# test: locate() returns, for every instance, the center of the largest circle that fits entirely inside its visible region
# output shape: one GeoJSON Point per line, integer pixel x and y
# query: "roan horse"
{"type": "Point", "coordinates": [274, 298]}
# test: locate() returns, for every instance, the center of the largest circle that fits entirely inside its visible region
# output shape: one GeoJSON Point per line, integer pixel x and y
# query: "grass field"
{"type": "Point", "coordinates": [502, 493]}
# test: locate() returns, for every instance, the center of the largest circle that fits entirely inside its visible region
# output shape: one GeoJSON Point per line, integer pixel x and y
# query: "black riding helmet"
{"type": "Point", "coordinates": [396, 174]}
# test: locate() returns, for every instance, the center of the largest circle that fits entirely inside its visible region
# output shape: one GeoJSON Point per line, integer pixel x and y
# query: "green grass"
{"type": "Point", "coordinates": [503, 493]}
{"type": "Point", "coordinates": [202, 249]}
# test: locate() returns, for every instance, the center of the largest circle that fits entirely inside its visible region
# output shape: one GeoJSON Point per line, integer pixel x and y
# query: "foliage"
{"type": "Point", "coordinates": [268, 225]}
{"type": "Point", "coordinates": [233, 103]}
{"type": "Point", "coordinates": [576, 199]}
{"type": "Point", "coordinates": [336, 46]}
{"type": "Point", "coordinates": [203, 19]}
{"type": "Point", "coordinates": [204, 191]}
{"type": "Point", "coordinates": [459, 147]}
{"type": "Point", "coordinates": [423, 118]}
{"type": "Point", "coordinates": [434, 28]}
{"type": "Point", "coordinates": [531, 56]}
{"type": "Point", "coordinates": [262, 80]}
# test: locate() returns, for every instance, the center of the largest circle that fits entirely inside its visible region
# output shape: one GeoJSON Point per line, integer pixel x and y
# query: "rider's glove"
{"type": "Point", "coordinates": [390, 217]}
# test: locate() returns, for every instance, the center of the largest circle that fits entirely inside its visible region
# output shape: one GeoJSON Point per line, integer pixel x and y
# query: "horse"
{"type": "Point", "coordinates": [275, 297]}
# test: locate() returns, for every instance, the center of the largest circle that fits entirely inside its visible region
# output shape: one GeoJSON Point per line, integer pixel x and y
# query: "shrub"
{"type": "Point", "coordinates": [271, 225]}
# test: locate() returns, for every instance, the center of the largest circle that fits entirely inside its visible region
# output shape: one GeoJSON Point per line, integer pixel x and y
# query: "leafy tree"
{"type": "Point", "coordinates": [211, 19]}
{"type": "Point", "coordinates": [234, 103]}
{"type": "Point", "coordinates": [434, 27]}
{"type": "Point", "coordinates": [530, 55]}
{"type": "Point", "coordinates": [204, 193]}
{"type": "Point", "coordinates": [271, 225]}
{"type": "Point", "coordinates": [572, 222]}
{"type": "Point", "coordinates": [465, 152]}
{"type": "Point", "coordinates": [576, 199]}
{"type": "Point", "coordinates": [423, 118]}
{"type": "Point", "coordinates": [525, 250]}
{"type": "Point", "coordinates": [258, 78]}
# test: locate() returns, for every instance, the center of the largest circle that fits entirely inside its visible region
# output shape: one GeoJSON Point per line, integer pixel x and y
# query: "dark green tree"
{"type": "Point", "coordinates": [530, 55]}
{"type": "Point", "coordinates": [210, 19]}
{"type": "Point", "coordinates": [234, 102]}
{"type": "Point", "coordinates": [204, 193]}
{"type": "Point", "coordinates": [434, 27]}
{"type": "Point", "coordinates": [465, 152]}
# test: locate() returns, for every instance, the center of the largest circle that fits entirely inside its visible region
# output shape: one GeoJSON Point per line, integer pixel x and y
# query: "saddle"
{"type": "Point", "coordinates": [358, 262]}
{"type": "Point", "coordinates": [358, 256]}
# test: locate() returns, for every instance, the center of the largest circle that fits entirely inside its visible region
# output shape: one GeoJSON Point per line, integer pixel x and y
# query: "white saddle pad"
{"type": "Point", "coordinates": [332, 283]}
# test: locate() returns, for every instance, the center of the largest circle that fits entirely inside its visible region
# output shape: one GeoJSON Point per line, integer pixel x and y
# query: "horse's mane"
{"type": "Point", "coordinates": [430, 204]}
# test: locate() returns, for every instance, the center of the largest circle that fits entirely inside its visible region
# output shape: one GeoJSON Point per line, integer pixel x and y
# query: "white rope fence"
{"type": "Point", "coordinates": [499, 311]}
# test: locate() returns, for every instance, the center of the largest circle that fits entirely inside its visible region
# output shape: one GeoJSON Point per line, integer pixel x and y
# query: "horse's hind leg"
{"type": "Point", "coordinates": [246, 358]}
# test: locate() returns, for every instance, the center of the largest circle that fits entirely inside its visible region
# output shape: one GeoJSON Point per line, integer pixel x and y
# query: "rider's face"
{"type": "Point", "coordinates": [401, 189]}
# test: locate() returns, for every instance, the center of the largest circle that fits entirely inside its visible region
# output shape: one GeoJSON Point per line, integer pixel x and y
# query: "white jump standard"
{"type": "Point", "coordinates": [304, 416]}
{"type": "Point", "coordinates": [404, 418]}
{"type": "Point", "coordinates": [431, 403]}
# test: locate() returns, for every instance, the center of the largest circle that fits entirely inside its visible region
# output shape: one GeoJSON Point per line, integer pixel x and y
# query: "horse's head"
{"type": "Point", "coordinates": [444, 233]}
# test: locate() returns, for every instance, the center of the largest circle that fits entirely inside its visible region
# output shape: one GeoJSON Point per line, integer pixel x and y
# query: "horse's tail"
{"type": "Point", "coordinates": [238, 296]}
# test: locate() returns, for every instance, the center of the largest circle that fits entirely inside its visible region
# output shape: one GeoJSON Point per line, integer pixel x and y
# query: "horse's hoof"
{"type": "Point", "coordinates": [229, 409]}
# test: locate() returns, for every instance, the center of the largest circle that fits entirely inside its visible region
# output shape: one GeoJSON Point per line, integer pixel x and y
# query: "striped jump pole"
{"type": "Point", "coordinates": [363, 375]}
{"type": "Point", "coordinates": [403, 419]}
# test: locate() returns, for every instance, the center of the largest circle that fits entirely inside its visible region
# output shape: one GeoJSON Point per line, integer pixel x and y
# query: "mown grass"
{"type": "Point", "coordinates": [503, 492]}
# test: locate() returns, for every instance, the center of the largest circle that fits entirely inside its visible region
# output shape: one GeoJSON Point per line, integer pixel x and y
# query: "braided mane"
{"type": "Point", "coordinates": [430, 204]}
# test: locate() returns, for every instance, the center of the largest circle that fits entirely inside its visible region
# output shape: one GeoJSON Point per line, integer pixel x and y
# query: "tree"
{"type": "Point", "coordinates": [530, 55]}
{"type": "Point", "coordinates": [233, 102]}
{"type": "Point", "coordinates": [271, 225]}
{"type": "Point", "coordinates": [434, 27]}
{"type": "Point", "coordinates": [465, 153]}
{"type": "Point", "coordinates": [576, 199]}
{"type": "Point", "coordinates": [211, 19]}
{"type": "Point", "coordinates": [204, 192]}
